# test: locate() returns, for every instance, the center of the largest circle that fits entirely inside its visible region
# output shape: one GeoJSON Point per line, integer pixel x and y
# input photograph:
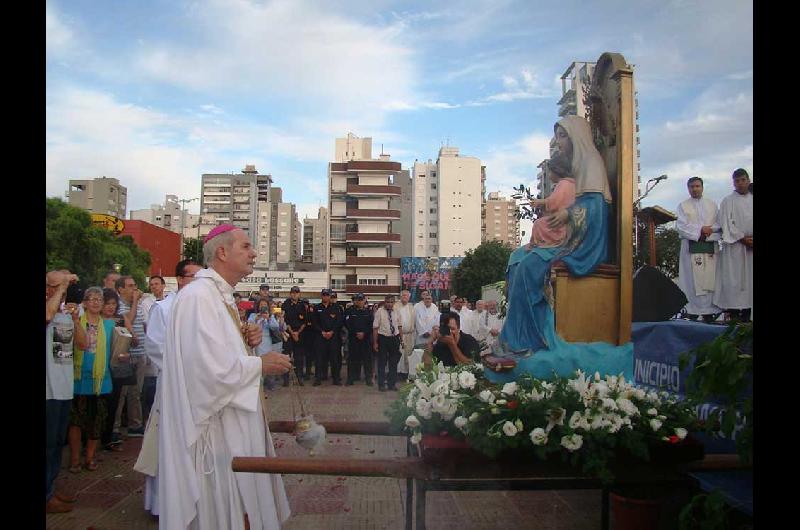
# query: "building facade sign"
{"type": "Point", "coordinates": [433, 274]}
{"type": "Point", "coordinates": [282, 281]}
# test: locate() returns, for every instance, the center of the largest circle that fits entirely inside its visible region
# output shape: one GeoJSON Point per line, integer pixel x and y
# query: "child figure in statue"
{"type": "Point", "coordinates": [563, 196]}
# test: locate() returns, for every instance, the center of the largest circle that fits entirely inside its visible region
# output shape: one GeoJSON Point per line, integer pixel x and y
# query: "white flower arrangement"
{"type": "Point", "coordinates": [541, 416]}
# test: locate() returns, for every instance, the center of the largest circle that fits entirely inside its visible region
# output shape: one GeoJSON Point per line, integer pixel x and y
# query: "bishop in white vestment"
{"type": "Point", "coordinates": [211, 409]}
{"type": "Point", "coordinates": [699, 232]}
{"type": "Point", "coordinates": [734, 281]}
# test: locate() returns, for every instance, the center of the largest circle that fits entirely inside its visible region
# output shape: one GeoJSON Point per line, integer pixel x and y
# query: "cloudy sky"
{"type": "Point", "coordinates": [155, 93]}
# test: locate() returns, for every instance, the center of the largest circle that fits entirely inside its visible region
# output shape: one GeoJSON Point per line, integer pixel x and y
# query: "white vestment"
{"type": "Point", "coordinates": [426, 318]}
{"type": "Point", "coordinates": [481, 319]}
{"type": "Point", "coordinates": [407, 321]}
{"type": "Point", "coordinates": [697, 272]}
{"type": "Point", "coordinates": [495, 323]}
{"type": "Point", "coordinates": [210, 412]}
{"type": "Point", "coordinates": [734, 282]}
{"type": "Point", "coordinates": [467, 321]}
{"type": "Point", "coordinates": [154, 343]}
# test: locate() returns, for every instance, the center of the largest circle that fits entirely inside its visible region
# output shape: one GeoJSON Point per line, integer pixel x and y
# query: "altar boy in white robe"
{"type": "Point", "coordinates": [157, 323]}
{"type": "Point", "coordinates": [699, 233]}
{"type": "Point", "coordinates": [734, 283]}
{"type": "Point", "coordinates": [211, 409]}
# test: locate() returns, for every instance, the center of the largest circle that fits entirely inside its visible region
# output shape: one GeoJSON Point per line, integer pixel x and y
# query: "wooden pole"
{"type": "Point", "coordinates": [400, 467]}
{"type": "Point", "coordinates": [625, 173]}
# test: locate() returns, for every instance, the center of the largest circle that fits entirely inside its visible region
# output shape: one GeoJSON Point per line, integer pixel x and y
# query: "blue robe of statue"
{"type": "Point", "coordinates": [530, 323]}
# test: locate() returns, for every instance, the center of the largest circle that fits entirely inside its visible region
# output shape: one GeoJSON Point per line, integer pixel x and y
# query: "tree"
{"type": "Point", "coordinates": [481, 266]}
{"type": "Point", "coordinates": [193, 249]}
{"type": "Point", "coordinates": [668, 249]}
{"type": "Point", "coordinates": [72, 242]}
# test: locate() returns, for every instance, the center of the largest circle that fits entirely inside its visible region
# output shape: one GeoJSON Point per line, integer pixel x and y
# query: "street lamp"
{"type": "Point", "coordinates": [649, 185]}
{"type": "Point", "coordinates": [183, 220]}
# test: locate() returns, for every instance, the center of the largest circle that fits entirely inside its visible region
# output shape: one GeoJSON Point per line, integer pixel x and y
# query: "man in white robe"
{"type": "Point", "coordinates": [481, 318]}
{"type": "Point", "coordinates": [426, 317]}
{"type": "Point", "coordinates": [699, 232]}
{"type": "Point", "coordinates": [733, 291]}
{"type": "Point", "coordinates": [154, 343]}
{"type": "Point", "coordinates": [495, 322]}
{"type": "Point", "coordinates": [211, 409]}
{"type": "Point", "coordinates": [467, 316]}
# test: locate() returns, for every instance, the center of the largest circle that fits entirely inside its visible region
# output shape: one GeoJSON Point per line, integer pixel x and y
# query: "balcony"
{"type": "Point", "coordinates": [371, 289]}
{"type": "Point", "coordinates": [359, 190]}
{"type": "Point", "coordinates": [371, 237]}
{"type": "Point", "coordinates": [365, 165]}
{"type": "Point", "coordinates": [358, 261]}
{"type": "Point", "coordinates": [353, 213]}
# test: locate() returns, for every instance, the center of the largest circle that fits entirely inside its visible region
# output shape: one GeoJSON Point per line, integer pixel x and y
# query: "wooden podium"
{"type": "Point", "coordinates": [598, 306]}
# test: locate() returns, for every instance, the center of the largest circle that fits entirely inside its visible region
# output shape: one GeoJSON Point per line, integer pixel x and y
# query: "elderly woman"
{"type": "Point", "coordinates": [529, 325]}
{"type": "Point", "coordinates": [92, 384]}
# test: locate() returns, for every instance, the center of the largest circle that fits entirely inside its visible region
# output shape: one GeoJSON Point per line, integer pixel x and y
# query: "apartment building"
{"type": "Point", "coordinates": [500, 219]}
{"type": "Point", "coordinates": [232, 198]}
{"type": "Point", "coordinates": [447, 202]}
{"type": "Point", "coordinates": [170, 215]}
{"type": "Point", "coordinates": [315, 237]}
{"type": "Point", "coordinates": [361, 236]}
{"type": "Point", "coordinates": [102, 195]}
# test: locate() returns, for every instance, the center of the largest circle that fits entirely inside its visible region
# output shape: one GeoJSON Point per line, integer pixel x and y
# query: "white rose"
{"type": "Point", "coordinates": [509, 389]}
{"type": "Point", "coordinates": [680, 432]}
{"type": "Point", "coordinates": [572, 443]}
{"type": "Point", "coordinates": [438, 387]}
{"type": "Point", "coordinates": [538, 436]}
{"type": "Point", "coordinates": [509, 429]}
{"type": "Point", "coordinates": [655, 424]}
{"type": "Point", "coordinates": [652, 412]}
{"type": "Point", "coordinates": [627, 406]}
{"type": "Point", "coordinates": [501, 401]}
{"type": "Point", "coordinates": [486, 396]}
{"type": "Point", "coordinates": [661, 417]}
{"type": "Point", "coordinates": [412, 422]}
{"type": "Point", "coordinates": [460, 422]}
{"type": "Point", "coordinates": [610, 404]}
{"type": "Point", "coordinates": [466, 380]}
{"type": "Point", "coordinates": [415, 439]}
{"type": "Point", "coordinates": [474, 417]}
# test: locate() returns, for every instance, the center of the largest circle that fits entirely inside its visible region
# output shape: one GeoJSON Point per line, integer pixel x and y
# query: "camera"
{"type": "Point", "coordinates": [74, 294]}
{"type": "Point", "coordinates": [444, 329]}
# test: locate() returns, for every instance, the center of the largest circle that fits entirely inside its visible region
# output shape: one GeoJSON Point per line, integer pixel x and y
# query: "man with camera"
{"type": "Point", "coordinates": [449, 344]}
{"type": "Point", "coordinates": [63, 332]}
{"type": "Point", "coordinates": [294, 314]}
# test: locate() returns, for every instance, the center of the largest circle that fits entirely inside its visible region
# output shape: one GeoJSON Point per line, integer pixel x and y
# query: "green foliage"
{"type": "Point", "coordinates": [193, 249]}
{"type": "Point", "coordinates": [481, 266]}
{"type": "Point", "coordinates": [72, 242]}
{"type": "Point", "coordinates": [668, 250]}
{"type": "Point", "coordinates": [722, 371]}
{"type": "Point", "coordinates": [704, 512]}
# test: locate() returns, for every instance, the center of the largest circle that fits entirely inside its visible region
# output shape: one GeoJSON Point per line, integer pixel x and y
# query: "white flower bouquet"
{"type": "Point", "coordinates": [587, 420]}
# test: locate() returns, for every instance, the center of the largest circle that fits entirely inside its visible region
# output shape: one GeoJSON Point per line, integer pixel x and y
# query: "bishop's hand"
{"type": "Point", "coordinates": [275, 363]}
{"type": "Point", "coordinates": [254, 335]}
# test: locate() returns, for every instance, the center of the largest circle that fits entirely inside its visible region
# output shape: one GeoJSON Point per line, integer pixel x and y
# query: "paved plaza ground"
{"type": "Point", "coordinates": [112, 496]}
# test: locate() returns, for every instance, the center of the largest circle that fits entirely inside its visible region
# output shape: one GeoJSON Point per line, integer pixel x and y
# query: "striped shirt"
{"type": "Point", "coordinates": [138, 327]}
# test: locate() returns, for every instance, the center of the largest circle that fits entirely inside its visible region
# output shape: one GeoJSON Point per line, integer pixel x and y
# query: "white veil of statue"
{"type": "Point", "coordinates": [588, 168]}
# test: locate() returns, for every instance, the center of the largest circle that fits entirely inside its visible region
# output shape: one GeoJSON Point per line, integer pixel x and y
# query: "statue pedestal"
{"type": "Point", "coordinates": [587, 308]}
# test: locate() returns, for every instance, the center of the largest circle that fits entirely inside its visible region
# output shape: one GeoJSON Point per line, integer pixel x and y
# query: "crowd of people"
{"type": "Point", "coordinates": [716, 255]}
{"type": "Point", "coordinates": [185, 370]}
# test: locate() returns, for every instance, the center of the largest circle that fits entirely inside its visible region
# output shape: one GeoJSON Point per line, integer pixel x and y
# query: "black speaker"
{"type": "Point", "coordinates": [655, 297]}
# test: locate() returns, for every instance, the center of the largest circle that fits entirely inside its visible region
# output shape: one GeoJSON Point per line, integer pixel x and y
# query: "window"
{"type": "Point", "coordinates": [432, 234]}
{"type": "Point", "coordinates": [433, 185]}
{"type": "Point", "coordinates": [372, 281]}
{"type": "Point", "coordinates": [337, 283]}
{"type": "Point", "coordinates": [434, 223]}
{"type": "Point", "coordinates": [433, 210]}
{"type": "Point", "coordinates": [432, 199]}
{"type": "Point", "coordinates": [421, 211]}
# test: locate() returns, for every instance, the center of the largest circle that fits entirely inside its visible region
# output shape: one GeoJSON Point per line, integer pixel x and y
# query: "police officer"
{"type": "Point", "coordinates": [308, 339]}
{"type": "Point", "coordinates": [328, 320]}
{"type": "Point", "coordinates": [294, 314]}
{"type": "Point", "coordinates": [358, 320]}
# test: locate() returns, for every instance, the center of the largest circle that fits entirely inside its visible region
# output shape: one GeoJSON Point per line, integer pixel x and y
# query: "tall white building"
{"type": "Point", "coordinates": [446, 204]}
{"type": "Point", "coordinates": [315, 237]}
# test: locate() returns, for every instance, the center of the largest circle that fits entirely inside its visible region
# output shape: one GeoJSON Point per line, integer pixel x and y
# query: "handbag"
{"type": "Point", "coordinates": [121, 366]}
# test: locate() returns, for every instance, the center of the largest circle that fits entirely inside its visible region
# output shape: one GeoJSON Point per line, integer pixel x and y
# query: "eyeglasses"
{"type": "Point", "coordinates": [187, 275]}
{"type": "Point", "coordinates": [93, 299]}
